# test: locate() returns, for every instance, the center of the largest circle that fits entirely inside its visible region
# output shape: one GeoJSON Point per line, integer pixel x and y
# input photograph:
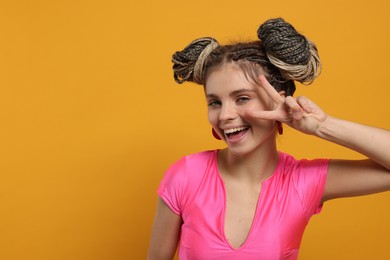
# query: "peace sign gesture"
{"type": "Point", "coordinates": [299, 113]}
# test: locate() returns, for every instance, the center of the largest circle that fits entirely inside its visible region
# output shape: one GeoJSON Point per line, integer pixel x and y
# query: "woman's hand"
{"type": "Point", "coordinates": [299, 113]}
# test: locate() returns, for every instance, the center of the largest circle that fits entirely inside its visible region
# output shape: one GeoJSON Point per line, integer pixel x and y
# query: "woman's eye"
{"type": "Point", "coordinates": [214, 103]}
{"type": "Point", "coordinates": [242, 100]}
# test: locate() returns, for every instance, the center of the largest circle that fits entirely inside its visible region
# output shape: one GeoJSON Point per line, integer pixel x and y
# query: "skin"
{"type": "Point", "coordinates": [247, 161]}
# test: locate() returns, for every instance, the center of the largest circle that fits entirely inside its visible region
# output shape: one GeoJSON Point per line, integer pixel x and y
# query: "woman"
{"type": "Point", "coordinates": [250, 201]}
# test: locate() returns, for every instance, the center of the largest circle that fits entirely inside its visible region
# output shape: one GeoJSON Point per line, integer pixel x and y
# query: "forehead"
{"type": "Point", "coordinates": [226, 78]}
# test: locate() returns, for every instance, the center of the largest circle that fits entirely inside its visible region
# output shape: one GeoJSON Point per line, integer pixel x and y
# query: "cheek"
{"type": "Point", "coordinates": [263, 124]}
{"type": "Point", "coordinates": [213, 117]}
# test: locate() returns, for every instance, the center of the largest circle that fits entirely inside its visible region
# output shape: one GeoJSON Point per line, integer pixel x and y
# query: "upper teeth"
{"type": "Point", "coordinates": [232, 130]}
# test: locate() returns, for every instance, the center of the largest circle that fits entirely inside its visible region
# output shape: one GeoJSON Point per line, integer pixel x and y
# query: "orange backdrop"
{"type": "Point", "coordinates": [91, 117]}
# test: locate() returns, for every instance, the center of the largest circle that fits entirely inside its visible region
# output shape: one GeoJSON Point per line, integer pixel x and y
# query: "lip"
{"type": "Point", "coordinates": [236, 138]}
{"type": "Point", "coordinates": [235, 129]}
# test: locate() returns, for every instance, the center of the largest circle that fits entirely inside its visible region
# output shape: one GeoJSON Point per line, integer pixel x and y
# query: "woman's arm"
{"type": "Point", "coordinates": [369, 141]}
{"type": "Point", "coordinates": [165, 233]}
{"type": "Point", "coordinates": [353, 178]}
{"type": "Point", "coordinates": [345, 177]}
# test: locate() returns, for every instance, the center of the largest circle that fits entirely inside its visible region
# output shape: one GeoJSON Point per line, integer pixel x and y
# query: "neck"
{"type": "Point", "coordinates": [255, 166]}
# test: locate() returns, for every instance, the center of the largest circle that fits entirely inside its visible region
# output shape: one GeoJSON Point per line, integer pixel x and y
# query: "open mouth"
{"type": "Point", "coordinates": [236, 132]}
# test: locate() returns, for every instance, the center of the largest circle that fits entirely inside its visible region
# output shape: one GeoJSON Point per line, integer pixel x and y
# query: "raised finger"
{"type": "Point", "coordinates": [266, 115]}
{"type": "Point", "coordinates": [270, 90]}
{"type": "Point", "coordinates": [304, 104]}
{"type": "Point", "coordinates": [294, 108]}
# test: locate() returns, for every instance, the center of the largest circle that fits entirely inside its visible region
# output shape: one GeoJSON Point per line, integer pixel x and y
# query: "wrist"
{"type": "Point", "coordinates": [326, 128]}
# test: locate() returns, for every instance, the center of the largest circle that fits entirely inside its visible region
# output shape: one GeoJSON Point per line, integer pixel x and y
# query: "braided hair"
{"type": "Point", "coordinates": [282, 54]}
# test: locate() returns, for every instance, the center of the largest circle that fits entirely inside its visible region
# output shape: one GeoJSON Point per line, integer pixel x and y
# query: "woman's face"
{"type": "Point", "coordinates": [229, 94]}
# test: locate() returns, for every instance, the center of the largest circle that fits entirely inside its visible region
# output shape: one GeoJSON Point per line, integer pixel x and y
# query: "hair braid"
{"type": "Point", "coordinates": [291, 52]}
{"type": "Point", "coordinates": [188, 64]}
{"type": "Point", "coordinates": [282, 55]}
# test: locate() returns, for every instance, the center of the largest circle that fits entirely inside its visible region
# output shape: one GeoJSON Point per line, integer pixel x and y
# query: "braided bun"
{"type": "Point", "coordinates": [292, 53]}
{"type": "Point", "coordinates": [188, 64]}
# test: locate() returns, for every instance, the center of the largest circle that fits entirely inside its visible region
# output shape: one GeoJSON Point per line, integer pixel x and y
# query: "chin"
{"type": "Point", "coordinates": [240, 151]}
{"type": "Point", "coordinates": [251, 146]}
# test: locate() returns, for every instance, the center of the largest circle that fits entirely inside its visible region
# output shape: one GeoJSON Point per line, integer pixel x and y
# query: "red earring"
{"type": "Point", "coordinates": [279, 125]}
{"type": "Point", "coordinates": [216, 136]}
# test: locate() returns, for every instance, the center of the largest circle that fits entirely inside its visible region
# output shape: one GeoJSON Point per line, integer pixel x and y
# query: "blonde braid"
{"type": "Point", "coordinates": [201, 61]}
{"type": "Point", "coordinates": [292, 53]}
{"type": "Point", "coordinates": [189, 64]}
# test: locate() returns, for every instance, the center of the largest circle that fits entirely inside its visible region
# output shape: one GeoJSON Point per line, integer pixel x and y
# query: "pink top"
{"type": "Point", "coordinates": [193, 188]}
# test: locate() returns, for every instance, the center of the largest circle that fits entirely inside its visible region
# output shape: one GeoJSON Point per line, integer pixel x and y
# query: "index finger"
{"type": "Point", "coordinates": [270, 90]}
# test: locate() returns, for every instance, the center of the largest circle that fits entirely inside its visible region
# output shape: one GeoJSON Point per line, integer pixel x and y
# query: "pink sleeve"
{"type": "Point", "coordinates": [173, 186]}
{"type": "Point", "coordinates": [310, 179]}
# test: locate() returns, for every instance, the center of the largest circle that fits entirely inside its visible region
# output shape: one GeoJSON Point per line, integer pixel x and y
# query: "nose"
{"type": "Point", "coordinates": [227, 112]}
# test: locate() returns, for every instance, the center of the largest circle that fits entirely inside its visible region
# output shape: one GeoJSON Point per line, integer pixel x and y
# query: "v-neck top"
{"type": "Point", "coordinates": [193, 188]}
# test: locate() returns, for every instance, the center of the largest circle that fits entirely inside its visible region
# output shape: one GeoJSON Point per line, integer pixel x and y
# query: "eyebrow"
{"type": "Point", "coordinates": [233, 93]}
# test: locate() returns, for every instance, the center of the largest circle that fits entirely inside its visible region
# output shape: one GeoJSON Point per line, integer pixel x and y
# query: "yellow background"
{"type": "Point", "coordinates": [91, 117]}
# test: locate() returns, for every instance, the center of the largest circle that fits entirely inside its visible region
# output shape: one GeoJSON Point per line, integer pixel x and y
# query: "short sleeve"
{"type": "Point", "coordinates": [310, 179]}
{"type": "Point", "coordinates": [173, 185]}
